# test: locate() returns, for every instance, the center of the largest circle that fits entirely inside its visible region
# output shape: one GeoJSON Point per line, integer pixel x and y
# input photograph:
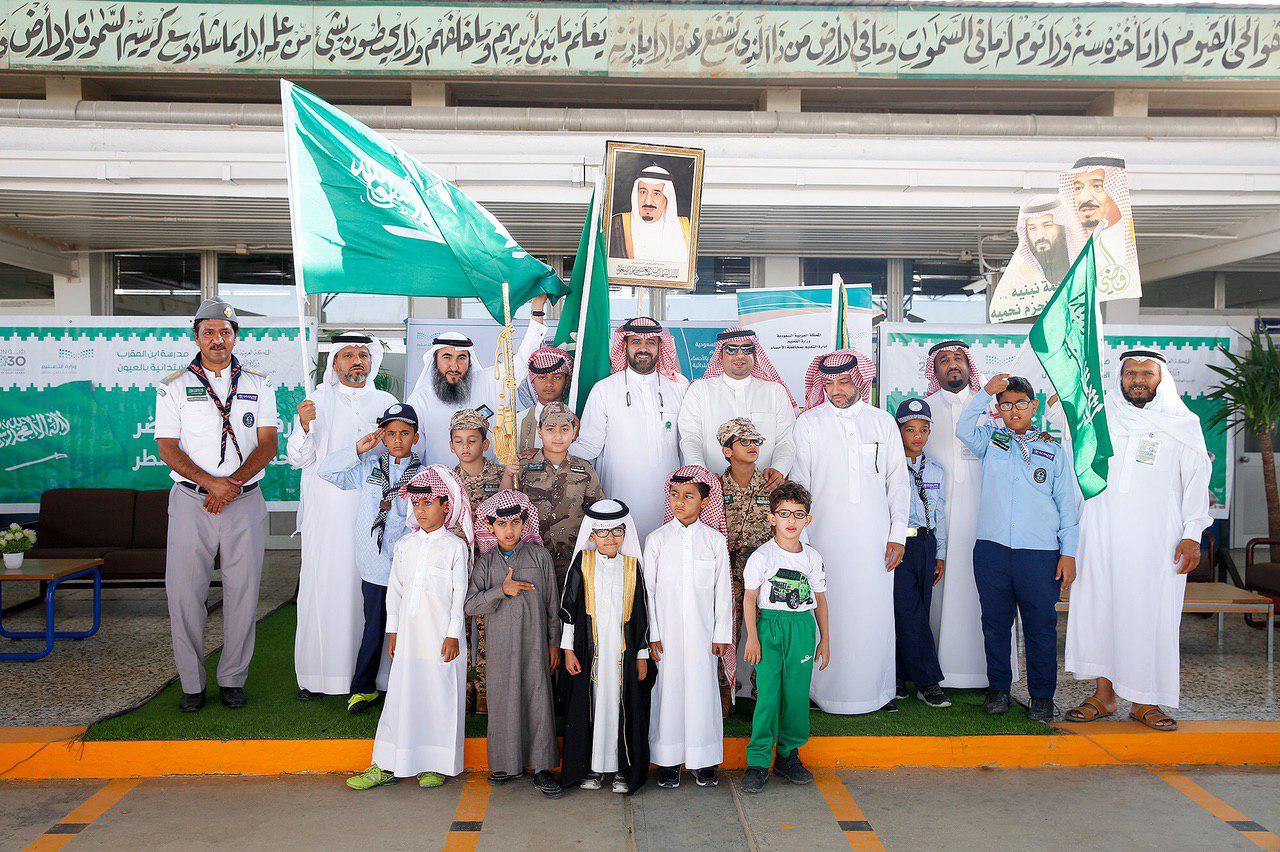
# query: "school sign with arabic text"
{"type": "Point", "coordinates": [625, 41]}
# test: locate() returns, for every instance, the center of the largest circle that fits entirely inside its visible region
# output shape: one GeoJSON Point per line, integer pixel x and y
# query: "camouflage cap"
{"type": "Point", "coordinates": [468, 418]}
{"type": "Point", "coordinates": [556, 413]}
{"type": "Point", "coordinates": [738, 429]}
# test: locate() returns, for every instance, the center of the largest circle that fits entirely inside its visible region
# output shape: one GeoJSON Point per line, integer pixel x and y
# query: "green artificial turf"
{"type": "Point", "coordinates": [273, 711]}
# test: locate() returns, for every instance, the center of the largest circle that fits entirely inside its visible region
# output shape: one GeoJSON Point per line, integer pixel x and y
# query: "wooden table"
{"type": "Point", "coordinates": [52, 572]}
{"type": "Point", "coordinates": [1221, 598]}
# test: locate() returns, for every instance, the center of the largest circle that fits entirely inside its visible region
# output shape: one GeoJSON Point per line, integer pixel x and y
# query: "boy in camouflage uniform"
{"type": "Point", "coordinates": [560, 486]}
{"type": "Point", "coordinates": [746, 511]}
{"type": "Point", "coordinates": [481, 478]}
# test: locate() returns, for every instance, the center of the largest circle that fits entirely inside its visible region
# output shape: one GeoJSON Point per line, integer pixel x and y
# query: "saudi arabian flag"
{"type": "Point", "coordinates": [584, 318]}
{"type": "Point", "coordinates": [1067, 340]}
{"type": "Point", "coordinates": [368, 218]}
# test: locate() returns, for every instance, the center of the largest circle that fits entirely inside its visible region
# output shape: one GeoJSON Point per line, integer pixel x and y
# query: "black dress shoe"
{"type": "Point", "coordinates": [499, 778]}
{"type": "Point", "coordinates": [997, 702]}
{"type": "Point", "coordinates": [1042, 710]}
{"type": "Point", "coordinates": [233, 697]}
{"type": "Point", "coordinates": [755, 779]}
{"type": "Point", "coordinates": [791, 769]}
{"type": "Point", "coordinates": [547, 784]}
{"type": "Point", "coordinates": [669, 777]}
{"type": "Point", "coordinates": [706, 777]}
{"type": "Point", "coordinates": [191, 702]}
{"type": "Point", "coordinates": [891, 707]}
{"type": "Point", "coordinates": [308, 695]}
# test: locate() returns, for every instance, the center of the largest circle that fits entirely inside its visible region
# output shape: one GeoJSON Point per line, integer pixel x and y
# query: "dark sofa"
{"type": "Point", "coordinates": [126, 529]}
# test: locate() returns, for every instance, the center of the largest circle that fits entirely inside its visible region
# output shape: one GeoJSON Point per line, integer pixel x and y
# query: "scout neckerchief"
{"type": "Point", "coordinates": [382, 478]}
{"type": "Point", "coordinates": [223, 408]}
{"type": "Point", "coordinates": [1023, 442]}
{"type": "Point", "coordinates": [918, 476]}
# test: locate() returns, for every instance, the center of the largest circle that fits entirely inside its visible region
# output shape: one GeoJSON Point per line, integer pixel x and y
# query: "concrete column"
{"type": "Point", "coordinates": [1219, 290]}
{"type": "Point", "coordinates": [1122, 102]}
{"type": "Point", "coordinates": [776, 272]}
{"type": "Point", "coordinates": [428, 307]}
{"type": "Point", "coordinates": [895, 287]}
{"type": "Point", "coordinates": [1120, 311]}
{"type": "Point", "coordinates": [78, 294]}
{"type": "Point", "coordinates": [428, 93]}
{"type": "Point", "coordinates": [208, 274]}
{"type": "Point", "coordinates": [780, 99]}
{"type": "Point", "coordinates": [71, 90]}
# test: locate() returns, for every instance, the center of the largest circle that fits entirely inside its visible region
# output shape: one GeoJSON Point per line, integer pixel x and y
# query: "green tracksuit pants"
{"type": "Point", "coordinates": [787, 643]}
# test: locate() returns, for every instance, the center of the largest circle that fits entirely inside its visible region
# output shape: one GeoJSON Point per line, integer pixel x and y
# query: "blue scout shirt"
{"type": "Point", "coordinates": [1024, 506]}
{"type": "Point", "coordinates": [350, 472]}
{"type": "Point", "coordinates": [935, 514]}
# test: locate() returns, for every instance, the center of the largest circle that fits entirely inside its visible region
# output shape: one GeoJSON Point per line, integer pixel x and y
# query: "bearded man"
{"type": "Point", "coordinates": [343, 408]}
{"type": "Point", "coordinates": [1139, 539]}
{"type": "Point", "coordinates": [451, 381]}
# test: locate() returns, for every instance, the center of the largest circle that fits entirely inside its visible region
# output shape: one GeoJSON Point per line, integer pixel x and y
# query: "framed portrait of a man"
{"type": "Point", "coordinates": [652, 199]}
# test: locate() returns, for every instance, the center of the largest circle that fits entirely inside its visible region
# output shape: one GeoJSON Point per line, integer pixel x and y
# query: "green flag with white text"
{"type": "Point", "coordinates": [584, 318]}
{"type": "Point", "coordinates": [368, 218]}
{"type": "Point", "coordinates": [1067, 340]}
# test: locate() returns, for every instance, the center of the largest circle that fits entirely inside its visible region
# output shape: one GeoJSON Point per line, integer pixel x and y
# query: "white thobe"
{"type": "Point", "coordinates": [422, 723]}
{"type": "Point", "coordinates": [434, 414]}
{"type": "Point", "coordinates": [851, 460]}
{"type": "Point", "coordinates": [710, 402]}
{"type": "Point", "coordinates": [1126, 603]}
{"type": "Point", "coordinates": [686, 576]}
{"type": "Point", "coordinates": [956, 614]}
{"type": "Point", "coordinates": [629, 430]}
{"type": "Point", "coordinates": [330, 605]}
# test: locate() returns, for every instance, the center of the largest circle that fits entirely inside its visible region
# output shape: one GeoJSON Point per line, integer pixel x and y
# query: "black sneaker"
{"type": "Point", "coordinates": [891, 707]}
{"type": "Point", "coordinates": [498, 778]}
{"type": "Point", "coordinates": [547, 784]}
{"type": "Point", "coordinates": [997, 702]}
{"type": "Point", "coordinates": [934, 696]}
{"type": "Point", "coordinates": [1042, 710]}
{"type": "Point", "coordinates": [233, 697]}
{"type": "Point", "coordinates": [308, 695]}
{"type": "Point", "coordinates": [755, 779]}
{"type": "Point", "coordinates": [706, 777]}
{"type": "Point", "coordinates": [191, 702]}
{"type": "Point", "coordinates": [791, 769]}
{"type": "Point", "coordinates": [901, 692]}
{"type": "Point", "coordinates": [669, 777]}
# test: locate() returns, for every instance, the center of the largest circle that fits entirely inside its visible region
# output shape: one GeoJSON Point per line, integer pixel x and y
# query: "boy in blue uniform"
{"type": "Point", "coordinates": [922, 563]}
{"type": "Point", "coordinates": [378, 475]}
{"type": "Point", "coordinates": [1026, 543]}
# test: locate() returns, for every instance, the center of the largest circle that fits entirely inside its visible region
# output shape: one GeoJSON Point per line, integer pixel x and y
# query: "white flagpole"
{"type": "Point", "coordinates": [837, 282]}
{"type": "Point", "coordinates": [290, 122]}
{"type": "Point", "coordinates": [585, 302]}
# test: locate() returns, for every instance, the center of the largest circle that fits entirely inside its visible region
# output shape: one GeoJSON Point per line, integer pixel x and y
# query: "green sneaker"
{"type": "Point", "coordinates": [430, 779]}
{"type": "Point", "coordinates": [361, 701]}
{"type": "Point", "coordinates": [370, 778]}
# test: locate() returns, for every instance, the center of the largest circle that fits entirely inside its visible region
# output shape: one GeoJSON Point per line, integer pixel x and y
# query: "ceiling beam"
{"type": "Point", "coordinates": [1253, 238]}
{"type": "Point", "coordinates": [28, 252]}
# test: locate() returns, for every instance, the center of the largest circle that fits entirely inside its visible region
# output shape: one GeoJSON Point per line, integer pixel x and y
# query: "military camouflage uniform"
{"type": "Point", "coordinates": [479, 488]}
{"type": "Point", "coordinates": [746, 513]}
{"type": "Point", "coordinates": [562, 496]}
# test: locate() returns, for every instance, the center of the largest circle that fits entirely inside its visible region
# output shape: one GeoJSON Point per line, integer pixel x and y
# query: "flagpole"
{"type": "Point", "coordinates": [837, 283]}
{"type": "Point", "coordinates": [304, 353]}
{"type": "Point", "coordinates": [585, 301]}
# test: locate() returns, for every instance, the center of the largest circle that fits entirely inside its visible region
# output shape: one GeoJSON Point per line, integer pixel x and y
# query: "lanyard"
{"type": "Point", "coordinates": [197, 369]}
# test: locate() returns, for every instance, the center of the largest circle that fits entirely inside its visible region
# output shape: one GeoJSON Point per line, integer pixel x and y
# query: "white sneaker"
{"type": "Point", "coordinates": [619, 785]}
{"type": "Point", "coordinates": [591, 782]}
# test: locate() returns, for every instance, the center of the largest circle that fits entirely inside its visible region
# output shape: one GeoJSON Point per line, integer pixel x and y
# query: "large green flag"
{"type": "Point", "coordinates": [368, 218]}
{"type": "Point", "coordinates": [584, 319]}
{"type": "Point", "coordinates": [1067, 340]}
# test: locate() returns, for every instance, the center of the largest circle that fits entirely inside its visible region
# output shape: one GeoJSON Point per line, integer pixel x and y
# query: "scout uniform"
{"type": "Point", "coordinates": [561, 494]}
{"type": "Point", "coordinates": [1029, 514]}
{"type": "Point", "coordinates": [913, 578]}
{"type": "Point", "coordinates": [215, 419]}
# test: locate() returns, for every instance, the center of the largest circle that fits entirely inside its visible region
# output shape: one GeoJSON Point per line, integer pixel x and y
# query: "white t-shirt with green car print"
{"type": "Point", "coordinates": [786, 581]}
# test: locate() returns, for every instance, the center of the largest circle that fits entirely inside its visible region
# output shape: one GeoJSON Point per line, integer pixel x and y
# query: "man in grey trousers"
{"type": "Point", "coordinates": [216, 426]}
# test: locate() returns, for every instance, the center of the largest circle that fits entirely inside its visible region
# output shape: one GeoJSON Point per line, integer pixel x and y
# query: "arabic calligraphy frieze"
{"type": "Point", "coordinates": [623, 41]}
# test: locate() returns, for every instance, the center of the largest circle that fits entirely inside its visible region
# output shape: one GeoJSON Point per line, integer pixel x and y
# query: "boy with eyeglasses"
{"type": "Point", "coordinates": [786, 597]}
{"type": "Point", "coordinates": [1027, 528]}
{"type": "Point", "coordinates": [746, 514]}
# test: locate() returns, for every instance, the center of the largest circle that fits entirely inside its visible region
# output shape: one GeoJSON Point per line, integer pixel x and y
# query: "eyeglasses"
{"type": "Point", "coordinates": [738, 349]}
{"type": "Point", "coordinates": [746, 442]}
{"type": "Point", "coordinates": [616, 532]}
{"type": "Point", "coordinates": [798, 514]}
{"type": "Point", "coordinates": [1021, 405]}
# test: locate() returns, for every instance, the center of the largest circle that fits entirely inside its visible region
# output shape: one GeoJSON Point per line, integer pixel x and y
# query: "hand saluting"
{"type": "Point", "coordinates": [998, 382]}
{"type": "Point", "coordinates": [512, 587]}
{"type": "Point", "coordinates": [368, 442]}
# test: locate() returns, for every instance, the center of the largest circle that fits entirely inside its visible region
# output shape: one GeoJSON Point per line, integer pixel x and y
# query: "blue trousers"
{"type": "Point", "coordinates": [369, 658]}
{"type": "Point", "coordinates": [1011, 582]}
{"type": "Point", "coordinates": [912, 591]}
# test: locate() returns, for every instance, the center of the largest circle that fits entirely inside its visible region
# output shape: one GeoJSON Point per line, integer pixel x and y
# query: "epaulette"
{"type": "Point", "coordinates": [176, 374]}
{"type": "Point", "coordinates": [257, 373]}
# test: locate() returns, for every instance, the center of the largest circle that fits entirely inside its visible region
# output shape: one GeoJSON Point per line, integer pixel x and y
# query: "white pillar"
{"type": "Point", "coordinates": [1131, 103]}
{"type": "Point", "coordinates": [1120, 311]}
{"type": "Point", "coordinates": [895, 289]}
{"type": "Point", "coordinates": [776, 272]}
{"type": "Point", "coordinates": [780, 99]}
{"type": "Point", "coordinates": [84, 292]}
{"type": "Point", "coordinates": [428, 93]}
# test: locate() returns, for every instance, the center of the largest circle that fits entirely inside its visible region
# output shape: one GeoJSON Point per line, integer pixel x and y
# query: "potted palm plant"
{"type": "Point", "coordinates": [1250, 393]}
{"type": "Point", "coordinates": [14, 542]}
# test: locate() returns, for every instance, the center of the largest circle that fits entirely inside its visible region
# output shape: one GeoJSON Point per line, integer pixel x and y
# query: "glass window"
{"type": "Point", "coordinates": [19, 283]}
{"type": "Point", "coordinates": [1246, 290]}
{"type": "Point", "coordinates": [1183, 291]}
{"type": "Point", "coordinates": [817, 271]}
{"type": "Point", "coordinates": [156, 284]}
{"type": "Point", "coordinates": [258, 285]}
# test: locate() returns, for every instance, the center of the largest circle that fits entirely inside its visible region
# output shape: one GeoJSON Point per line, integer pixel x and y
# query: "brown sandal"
{"type": "Point", "coordinates": [1155, 719]}
{"type": "Point", "coordinates": [1082, 713]}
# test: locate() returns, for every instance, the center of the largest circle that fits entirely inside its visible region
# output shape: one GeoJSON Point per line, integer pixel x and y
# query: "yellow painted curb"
{"type": "Point", "coordinates": [1097, 744]}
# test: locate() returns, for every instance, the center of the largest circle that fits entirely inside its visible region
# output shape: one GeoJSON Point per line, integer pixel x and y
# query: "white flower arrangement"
{"type": "Point", "coordinates": [16, 539]}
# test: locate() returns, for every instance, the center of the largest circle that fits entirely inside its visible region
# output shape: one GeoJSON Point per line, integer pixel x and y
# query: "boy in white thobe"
{"type": "Point", "coordinates": [421, 730]}
{"type": "Point", "coordinates": [686, 567]}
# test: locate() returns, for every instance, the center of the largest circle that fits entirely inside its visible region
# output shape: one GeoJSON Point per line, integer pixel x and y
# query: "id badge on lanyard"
{"type": "Point", "coordinates": [1148, 450]}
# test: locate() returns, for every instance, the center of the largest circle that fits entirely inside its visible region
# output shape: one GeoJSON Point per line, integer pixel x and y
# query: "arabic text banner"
{"type": "Point", "coordinates": [998, 349]}
{"type": "Point", "coordinates": [77, 401]}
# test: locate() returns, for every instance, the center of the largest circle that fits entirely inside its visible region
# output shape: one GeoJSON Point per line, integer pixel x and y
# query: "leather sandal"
{"type": "Point", "coordinates": [1155, 719]}
{"type": "Point", "coordinates": [1090, 710]}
